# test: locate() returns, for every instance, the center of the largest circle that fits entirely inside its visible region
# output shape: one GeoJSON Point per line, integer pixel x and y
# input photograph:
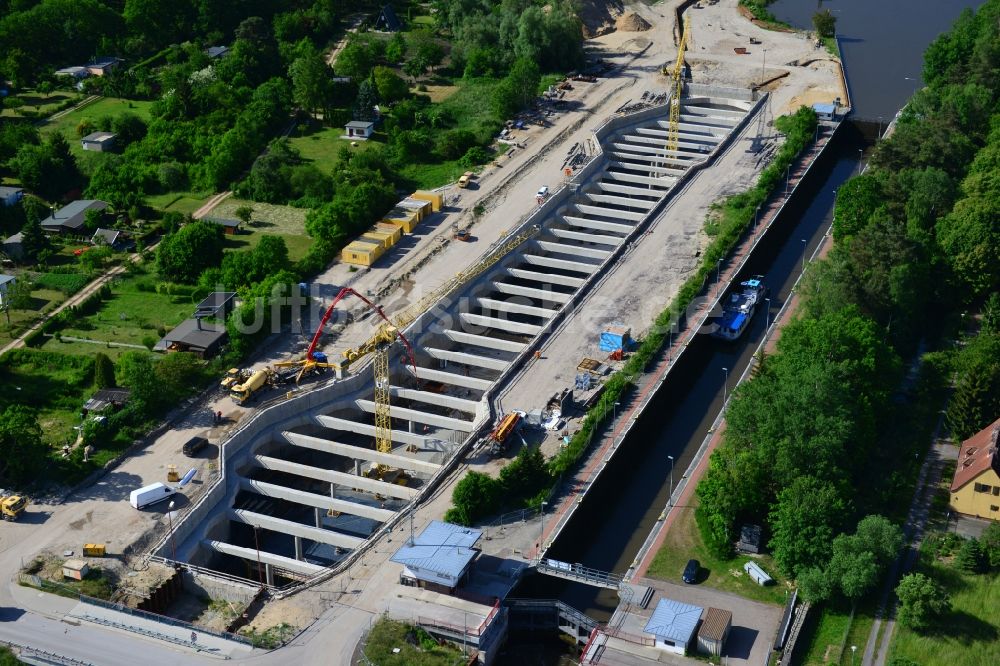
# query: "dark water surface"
{"type": "Point", "coordinates": [883, 42]}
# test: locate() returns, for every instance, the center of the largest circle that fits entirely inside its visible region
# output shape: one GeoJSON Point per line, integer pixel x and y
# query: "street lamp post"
{"type": "Point", "coordinates": [787, 169]}
{"type": "Point", "coordinates": [854, 649]}
{"type": "Point", "coordinates": [256, 543]}
{"type": "Point", "coordinates": [725, 387]}
{"type": "Point", "coordinates": [614, 417]}
{"type": "Point", "coordinates": [670, 498]}
{"type": "Point", "coordinates": [804, 243]}
{"type": "Point", "coordinates": [718, 271]}
{"type": "Point", "coordinates": [170, 520]}
{"type": "Point", "coordinates": [541, 531]}
{"type": "Point", "coordinates": [861, 158]}
{"type": "Point", "coordinates": [767, 313]}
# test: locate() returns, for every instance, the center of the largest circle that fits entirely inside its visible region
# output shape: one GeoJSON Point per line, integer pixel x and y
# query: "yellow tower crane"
{"type": "Point", "coordinates": [675, 101]}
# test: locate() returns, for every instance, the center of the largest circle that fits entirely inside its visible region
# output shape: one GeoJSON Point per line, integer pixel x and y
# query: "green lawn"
{"type": "Point", "coordinates": [831, 626]}
{"type": "Point", "coordinates": [388, 635]}
{"type": "Point", "coordinates": [181, 202]}
{"type": "Point", "coordinates": [969, 635]}
{"type": "Point", "coordinates": [129, 316]}
{"type": "Point", "coordinates": [286, 222]}
{"type": "Point", "coordinates": [44, 103]}
{"type": "Point", "coordinates": [56, 385]}
{"type": "Point", "coordinates": [106, 106]}
{"type": "Point", "coordinates": [683, 542]}
{"type": "Point", "coordinates": [322, 145]}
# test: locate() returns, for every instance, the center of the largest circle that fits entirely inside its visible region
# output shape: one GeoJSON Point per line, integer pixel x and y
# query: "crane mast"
{"type": "Point", "coordinates": [675, 101]}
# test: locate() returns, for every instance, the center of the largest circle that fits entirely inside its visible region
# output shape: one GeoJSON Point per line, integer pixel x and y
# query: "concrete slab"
{"type": "Point", "coordinates": [252, 554]}
{"type": "Point", "coordinates": [317, 501]}
{"type": "Point", "coordinates": [418, 416]}
{"type": "Point", "coordinates": [339, 478]}
{"type": "Point", "coordinates": [293, 528]}
{"type": "Point", "coordinates": [358, 453]}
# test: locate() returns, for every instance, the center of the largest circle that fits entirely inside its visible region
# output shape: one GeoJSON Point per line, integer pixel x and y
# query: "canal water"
{"type": "Point", "coordinates": [883, 43]}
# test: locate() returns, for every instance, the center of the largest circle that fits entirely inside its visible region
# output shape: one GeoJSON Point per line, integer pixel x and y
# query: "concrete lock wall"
{"type": "Point", "coordinates": [217, 588]}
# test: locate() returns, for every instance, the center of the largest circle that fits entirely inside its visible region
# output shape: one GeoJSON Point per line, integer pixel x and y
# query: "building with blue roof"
{"type": "Point", "coordinates": [673, 624]}
{"type": "Point", "coordinates": [439, 557]}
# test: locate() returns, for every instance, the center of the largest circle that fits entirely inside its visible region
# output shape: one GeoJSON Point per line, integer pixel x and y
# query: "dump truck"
{"type": "Point", "coordinates": [257, 381]}
{"type": "Point", "coordinates": [12, 506]}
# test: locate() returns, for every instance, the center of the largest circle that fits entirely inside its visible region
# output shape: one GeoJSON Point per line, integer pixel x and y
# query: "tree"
{"type": "Point", "coordinates": [825, 23]}
{"type": "Point", "coordinates": [852, 568]}
{"type": "Point", "coordinates": [355, 60]}
{"type": "Point", "coordinates": [814, 585]}
{"type": "Point", "coordinates": [135, 372]}
{"type": "Point", "coordinates": [95, 258]}
{"type": "Point", "coordinates": [244, 213]}
{"type": "Point", "coordinates": [312, 86]}
{"type": "Point", "coordinates": [390, 87]}
{"type": "Point", "coordinates": [92, 220]}
{"type": "Point", "coordinates": [104, 371]}
{"type": "Point", "coordinates": [364, 107]}
{"type": "Point", "coordinates": [970, 557]}
{"type": "Point", "coordinates": [33, 240]}
{"type": "Point", "coordinates": [921, 601]}
{"type": "Point", "coordinates": [991, 314]}
{"type": "Point", "coordinates": [877, 535]}
{"type": "Point", "coordinates": [989, 543]}
{"type": "Point", "coordinates": [473, 497]}
{"type": "Point", "coordinates": [22, 451]}
{"type": "Point", "coordinates": [395, 50]}
{"type": "Point", "coordinates": [803, 521]}
{"type": "Point", "coordinates": [17, 297]}
{"type": "Point", "coordinates": [428, 51]}
{"type": "Point", "coordinates": [182, 256]}
{"type": "Point", "coordinates": [179, 373]}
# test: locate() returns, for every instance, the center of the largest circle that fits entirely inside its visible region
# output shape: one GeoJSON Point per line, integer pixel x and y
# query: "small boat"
{"type": "Point", "coordinates": [738, 310]}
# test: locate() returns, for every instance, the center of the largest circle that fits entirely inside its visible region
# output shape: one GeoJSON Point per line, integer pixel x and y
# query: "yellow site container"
{"type": "Point", "coordinates": [393, 230]}
{"type": "Point", "coordinates": [422, 208]}
{"type": "Point", "coordinates": [437, 201]}
{"type": "Point", "coordinates": [361, 253]}
{"type": "Point", "coordinates": [94, 550]}
{"type": "Point", "coordinates": [407, 220]}
{"type": "Point", "coordinates": [380, 237]}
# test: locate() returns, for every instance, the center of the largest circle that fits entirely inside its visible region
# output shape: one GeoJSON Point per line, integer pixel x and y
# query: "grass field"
{"type": "Point", "coordinates": [285, 222]}
{"type": "Point", "coordinates": [180, 202]}
{"type": "Point", "coordinates": [128, 317]}
{"type": "Point", "coordinates": [107, 106]}
{"type": "Point", "coordinates": [830, 631]}
{"type": "Point", "coordinates": [321, 146]}
{"type": "Point", "coordinates": [56, 385]}
{"type": "Point", "coordinates": [45, 103]}
{"type": "Point", "coordinates": [388, 635]}
{"type": "Point", "coordinates": [42, 301]}
{"type": "Point", "coordinates": [683, 542]}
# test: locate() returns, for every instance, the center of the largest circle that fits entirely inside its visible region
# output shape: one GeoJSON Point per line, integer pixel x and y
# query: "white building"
{"type": "Point", "coordinates": [673, 624]}
{"type": "Point", "coordinates": [439, 557]}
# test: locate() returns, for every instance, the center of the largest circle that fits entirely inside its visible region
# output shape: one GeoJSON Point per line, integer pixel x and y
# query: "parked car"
{"type": "Point", "coordinates": [193, 445]}
{"type": "Point", "coordinates": [543, 192]}
{"type": "Point", "coordinates": [690, 575]}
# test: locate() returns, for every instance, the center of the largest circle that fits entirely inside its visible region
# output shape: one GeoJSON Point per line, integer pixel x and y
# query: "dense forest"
{"type": "Point", "coordinates": [822, 434]}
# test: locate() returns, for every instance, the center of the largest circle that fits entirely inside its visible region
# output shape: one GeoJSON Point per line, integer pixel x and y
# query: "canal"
{"type": "Point", "coordinates": [883, 44]}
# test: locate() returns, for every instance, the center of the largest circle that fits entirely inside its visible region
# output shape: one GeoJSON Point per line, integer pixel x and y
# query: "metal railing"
{"type": "Point", "coordinates": [163, 619]}
{"type": "Point", "coordinates": [580, 573]}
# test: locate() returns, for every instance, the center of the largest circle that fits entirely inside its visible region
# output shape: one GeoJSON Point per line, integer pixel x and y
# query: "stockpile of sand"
{"type": "Point", "coordinates": [631, 22]}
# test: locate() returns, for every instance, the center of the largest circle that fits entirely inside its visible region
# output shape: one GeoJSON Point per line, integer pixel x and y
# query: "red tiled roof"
{"type": "Point", "coordinates": [978, 454]}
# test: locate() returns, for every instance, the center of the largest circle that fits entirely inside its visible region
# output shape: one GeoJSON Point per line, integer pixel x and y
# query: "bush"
{"type": "Point", "coordinates": [67, 283]}
{"type": "Point", "coordinates": [475, 156]}
{"type": "Point", "coordinates": [970, 557]}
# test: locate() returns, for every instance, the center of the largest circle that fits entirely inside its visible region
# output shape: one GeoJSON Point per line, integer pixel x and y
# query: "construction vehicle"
{"type": "Point", "coordinates": [94, 550]}
{"type": "Point", "coordinates": [248, 389]}
{"type": "Point", "coordinates": [12, 506]}
{"type": "Point", "coordinates": [465, 179]}
{"type": "Point", "coordinates": [461, 235]}
{"type": "Point", "coordinates": [673, 131]}
{"type": "Point", "coordinates": [507, 425]}
{"type": "Point", "coordinates": [233, 377]}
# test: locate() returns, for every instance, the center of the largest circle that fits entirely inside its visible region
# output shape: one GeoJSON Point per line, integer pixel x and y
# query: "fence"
{"type": "Point", "coordinates": [163, 619]}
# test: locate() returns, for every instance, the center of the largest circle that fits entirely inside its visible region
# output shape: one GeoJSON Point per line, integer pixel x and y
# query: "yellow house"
{"type": "Point", "coordinates": [975, 491]}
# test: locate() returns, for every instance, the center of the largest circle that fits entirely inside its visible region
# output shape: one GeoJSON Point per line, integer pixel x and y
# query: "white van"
{"type": "Point", "coordinates": [150, 494]}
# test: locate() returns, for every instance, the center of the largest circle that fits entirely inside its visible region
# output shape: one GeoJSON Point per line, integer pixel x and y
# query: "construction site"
{"type": "Point", "coordinates": [581, 237]}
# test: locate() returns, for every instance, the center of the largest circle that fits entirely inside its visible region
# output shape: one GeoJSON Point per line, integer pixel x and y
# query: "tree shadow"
{"type": "Point", "coordinates": [113, 487]}
{"type": "Point", "coordinates": [962, 626]}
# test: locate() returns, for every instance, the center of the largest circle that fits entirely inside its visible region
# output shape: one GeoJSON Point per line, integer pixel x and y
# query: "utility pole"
{"type": "Point", "coordinates": [670, 498]}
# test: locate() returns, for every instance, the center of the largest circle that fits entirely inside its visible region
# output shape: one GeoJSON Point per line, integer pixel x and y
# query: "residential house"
{"type": "Point", "coordinates": [195, 336]}
{"type": "Point", "coordinates": [439, 557]}
{"type": "Point", "coordinates": [10, 195]}
{"type": "Point", "coordinates": [78, 73]}
{"type": "Point", "coordinates": [110, 237]}
{"type": "Point", "coordinates": [231, 227]}
{"type": "Point", "coordinates": [975, 489]}
{"type": "Point", "coordinates": [217, 305]}
{"type": "Point", "coordinates": [13, 248]}
{"type": "Point", "coordinates": [100, 142]}
{"type": "Point", "coordinates": [359, 129]}
{"type": "Point", "coordinates": [216, 52]}
{"type": "Point", "coordinates": [69, 219]}
{"type": "Point", "coordinates": [672, 625]}
{"type": "Point", "coordinates": [102, 66]}
{"type": "Point", "coordinates": [114, 398]}
{"type": "Point", "coordinates": [387, 20]}
{"type": "Point", "coordinates": [6, 282]}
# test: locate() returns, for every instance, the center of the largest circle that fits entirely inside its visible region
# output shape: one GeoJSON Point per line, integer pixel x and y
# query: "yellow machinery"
{"type": "Point", "coordinates": [12, 506]}
{"type": "Point", "coordinates": [94, 550]}
{"type": "Point", "coordinates": [675, 101]}
{"type": "Point", "coordinates": [243, 392]}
